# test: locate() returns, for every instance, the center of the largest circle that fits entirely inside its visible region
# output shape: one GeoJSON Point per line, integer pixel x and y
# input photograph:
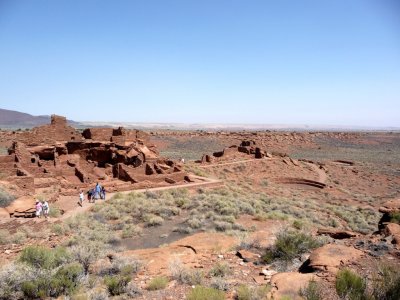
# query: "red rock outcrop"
{"type": "Point", "coordinates": [330, 257]}
{"type": "Point", "coordinates": [74, 161]}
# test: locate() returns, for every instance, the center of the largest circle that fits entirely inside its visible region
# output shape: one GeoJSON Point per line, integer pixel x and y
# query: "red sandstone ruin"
{"type": "Point", "coordinates": [59, 156]}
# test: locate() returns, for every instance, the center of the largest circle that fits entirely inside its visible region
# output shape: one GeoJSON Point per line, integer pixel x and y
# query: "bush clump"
{"type": "Point", "coordinates": [386, 285]}
{"type": "Point", "coordinates": [350, 286]}
{"type": "Point", "coordinates": [219, 270]}
{"type": "Point", "coordinates": [152, 220]}
{"type": "Point", "coordinates": [204, 293]}
{"type": "Point", "coordinates": [157, 283]}
{"type": "Point", "coordinates": [116, 285]}
{"type": "Point", "coordinates": [5, 198]}
{"type": "Point", "coordinates": [130, 231]}
{"type": "Point", "coordinates": [64, 281]}
{"type": "Point", "coordinates": [185, 275]}
{"type": "Point", "coordinates": [395, 217]}
{"type": "Point", "coordinates": [290, 244]}
{"type": "Point", "coordinates": [312, 291]}
{"type": "Point", "coordinates": [245, 292]}
{"type": "Point", "coordinates": [43, 258]}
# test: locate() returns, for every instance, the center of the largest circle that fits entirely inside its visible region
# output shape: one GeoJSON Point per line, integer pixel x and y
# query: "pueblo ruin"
{"type": "Point", "coordinates": [59, 158]}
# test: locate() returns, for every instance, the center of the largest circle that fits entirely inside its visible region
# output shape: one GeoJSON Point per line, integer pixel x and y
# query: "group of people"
{"type": "Point", "coordinates": [42, 208]}
{"type": "Point", "coordinates": [98, 192]}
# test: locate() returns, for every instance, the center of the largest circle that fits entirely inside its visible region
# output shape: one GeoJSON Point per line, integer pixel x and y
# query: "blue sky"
{"type": "Point", "coordinates": [210, 61]}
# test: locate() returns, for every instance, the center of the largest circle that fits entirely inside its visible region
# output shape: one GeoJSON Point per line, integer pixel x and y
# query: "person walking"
{"type": "Point", "coordinates": [97, 191]}
{"type": "Point", "coordinates": [103, 193]}
{"type": "Point", "coordinates": [46, 208]}
{"type": "Point", "coordinates": [38, 207]}
{"type": "Point", "coordinates": [81, 198]}
{"type": "Point", "coordinates": [90, 195]}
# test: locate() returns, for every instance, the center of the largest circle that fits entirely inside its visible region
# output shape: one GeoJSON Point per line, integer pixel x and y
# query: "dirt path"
{"type": "Point", "coordinates": [71, 207]}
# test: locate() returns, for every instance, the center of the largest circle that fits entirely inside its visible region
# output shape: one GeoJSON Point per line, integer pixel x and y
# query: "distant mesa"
{"type": "Point", "coordinates": [15, 119]}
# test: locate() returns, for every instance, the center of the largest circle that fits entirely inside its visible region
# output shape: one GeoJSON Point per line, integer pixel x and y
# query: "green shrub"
{"type": "Point", "coordinates": [245, 292]}
{"type": "Point", "coordinates": [86, 253]}
{"type": "Point", "coordinates": [43, 258]}
{"type": "Point", "coordinates": [298, 224]}
{"type": "Point", "coordinates": [188, 276]}
{"type": "Point", "coordinates": [64, 281]}
{"type": "Point", "coordinates": [204, 293]}
{"type": "Point", "coordinates": [58, 229]}
{"type": "Point", "coordinates": [4, 237]}
{"type": "Point", "coordinates": [157, 283]}
{"type": "Point", "coordinates": [116, 285]}
{"type": "Point", "coordinates": [122, 266]}
{"type": "Point", "coordinates": [312, 291]}
{"type": "Point", "coordinates": [222, 226]}
{"type": "Point", "coordinates": [395, 217]}
{"type": "Point", "coordinates": [184, 275]}
{"type": "Point", "coordinates": [54, 212]}
{"type": "Point", "coordinates": [350, 286]}
{"type": "Point", "coordinates": [67, 279]}
{"type": "Point", "coordinates": [219, 283]}
{"type": "Point", "coordinates": [5, 198]}
{"type": "Point", "coordinates": [18, 238]}
{"type": "Point", "coordinates": [130, 231]}
{"type": "Point", "coordinates": [219, 270]}
{"type": "Point", "coordinates": [181, 202]}
{"type": "Point", "coordinates": [35, 289]}
{"type": "Point", "coordinates": [386, 285]}
{"type": "Point", "coordinates": [152, 220]}
{"type": "Point", "coordinates": [290, 244]}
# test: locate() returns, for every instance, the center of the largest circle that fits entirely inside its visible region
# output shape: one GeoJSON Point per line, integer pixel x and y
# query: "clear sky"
{"type": "Point", "coordinates": [209, 61]}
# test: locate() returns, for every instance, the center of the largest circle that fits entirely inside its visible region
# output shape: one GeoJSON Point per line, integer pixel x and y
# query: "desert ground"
{"type": "Point", "coordinates": [200, 214]}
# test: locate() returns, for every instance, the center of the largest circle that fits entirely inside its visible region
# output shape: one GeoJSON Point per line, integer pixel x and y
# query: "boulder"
{"type": "Point", "coordinates": [244, 149]}
{"type": "Point", "coordinates": [150, 170]}
{"type": "Point", "coordinates": [288, 285]}
{"type": "Point", "coordinates": [330, 257]}
{"type": "Point", "coordinates": [206, 158]}
{"type": "Point", "coordinates": [247, 256]}
{"type": "Point", "coordinates": [390, 206]}
{"type": "Point", "coordinates": [170, 180]}
{"type": "Point", "coordinates": [393, 229]}
{"type": "Point", "coordinates": [258, 153]}
{"type": "Point", "coordinates": [247, 143]}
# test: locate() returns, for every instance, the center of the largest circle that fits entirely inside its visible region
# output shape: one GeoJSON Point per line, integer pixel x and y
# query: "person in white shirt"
{"type": "Point", "coordinates": [81, 198]}
{"type": "Point", "coordinates": [46, 208]}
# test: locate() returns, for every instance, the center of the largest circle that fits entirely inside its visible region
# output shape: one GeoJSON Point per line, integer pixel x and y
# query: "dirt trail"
{"type": "Point", "coordinates": [71, 207]}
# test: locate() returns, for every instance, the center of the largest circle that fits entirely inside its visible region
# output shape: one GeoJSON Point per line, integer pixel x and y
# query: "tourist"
{"type": "Point", "coordinates": [103, 193]}
{"type": "Point", "coordinates": [81, 198]}
{"type": "Point", "coordinates": [90, 195]}
{"type": "Point", "coordinates": [46, 208]}
{"type": "Point", "coordinates": [97, 191]}
{"type": "Point", "coordinates": [38, 207]}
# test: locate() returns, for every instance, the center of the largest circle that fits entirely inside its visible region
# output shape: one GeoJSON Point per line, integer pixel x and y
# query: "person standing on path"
{"type": "Point", "coordinates": [103, 193]}
{"type": "Point", "coordinates": [46, 208]}
{"type": "Point", "coordinates": [38, 207]}
{"type": "Point", "coordinates": [81, 198]}
{"type": "Point", "coordinates": [97, 191]}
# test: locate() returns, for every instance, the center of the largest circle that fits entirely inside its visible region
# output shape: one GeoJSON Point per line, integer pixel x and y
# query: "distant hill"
{"type": "Point", "coordinates": [16, 119]}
